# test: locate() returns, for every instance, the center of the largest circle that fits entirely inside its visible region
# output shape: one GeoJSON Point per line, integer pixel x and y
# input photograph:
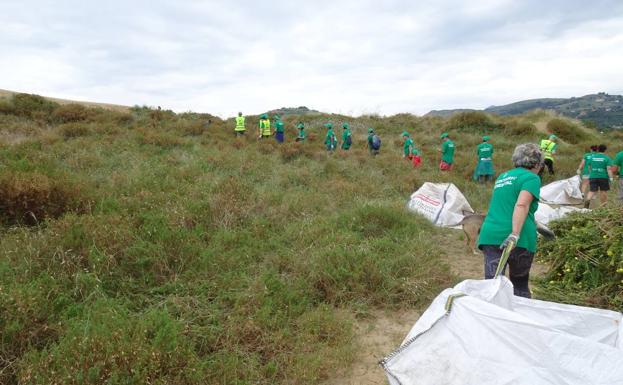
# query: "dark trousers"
{"type": "Point", "coordinates": [550, 167]}
{"type": "Point", "coordinates": [519, 263]}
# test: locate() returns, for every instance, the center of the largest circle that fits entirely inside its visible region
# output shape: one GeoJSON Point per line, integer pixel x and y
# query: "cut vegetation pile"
{"type": "Point", "coordinates": [150, 247]}
{"type": "Point", "coordinates": [586, 259]}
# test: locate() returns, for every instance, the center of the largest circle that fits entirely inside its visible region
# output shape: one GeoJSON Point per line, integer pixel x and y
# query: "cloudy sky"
{"type": "Point", "coordinates": [351, 57]}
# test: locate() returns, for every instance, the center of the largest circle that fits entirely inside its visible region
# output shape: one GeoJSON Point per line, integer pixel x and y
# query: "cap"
{"type": "Point", "coordinates": [485, 138]}
{"type": "Point", "coordinates": [300, 125]}
{"type": "Point", "coordinates": [263, 116]}
{"type": "Point", "coordinates": [328, 125]}
{"type": "Point", "coordinates": [552, 136]}
{"type": "Point", "coordinates": [405, 133]}
{"type": "Point", "coordinates": [370, 130]}
{"type": "Point", "coordinates": [345, 125]}
{"type": "Point", "coordinates": [444, 135]}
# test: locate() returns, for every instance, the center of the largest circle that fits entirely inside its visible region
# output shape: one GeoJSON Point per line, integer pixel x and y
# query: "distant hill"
{"type": "Point", "coordinates": [283, 111]}
{"type": "Point", "coordinates": [601, 110]}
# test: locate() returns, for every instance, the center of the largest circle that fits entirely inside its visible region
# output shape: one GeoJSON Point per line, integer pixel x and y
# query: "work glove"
{"type": "Point", "coordinates": [578, 171]}
{"type": "Point", "coordinates": [512, 238]}
{"type": "Point", "coordinates": [611, 180]}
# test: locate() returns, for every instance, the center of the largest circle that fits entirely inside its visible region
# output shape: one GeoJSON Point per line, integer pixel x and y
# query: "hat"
{"type": "Point", "coordinates": [552, 136]}
{"type": "Point", "coordinates": [328, 125]}
{"type": "Point", "coordinates": [485, 138]}
{"type": "Point", "coordinates": [444, 135]}
{"type": "Point", "coordinates": [345, 125]}
{"type": "Point", "coordinates": [300, 125]}
{"type": "Point", "coordinates": [370, 130]}
{"type": "Point", "coordinates": [263, 116]}
{"type": "Point", "coordinates": [405, 133]}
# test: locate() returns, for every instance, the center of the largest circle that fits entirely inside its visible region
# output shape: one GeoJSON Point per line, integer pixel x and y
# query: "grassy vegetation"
{"type": "Point", "coordinates": [153, 247]}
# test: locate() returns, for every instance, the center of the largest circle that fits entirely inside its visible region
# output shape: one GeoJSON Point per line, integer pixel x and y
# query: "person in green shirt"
{"type": "Point", "coordinates": [330, 140]}
{"type": "Point", "coordinates": [409, 149]}
{"type": "Point", "coordinates": [279, 129]}
{"type": "Point", "coordinates": [618, 165]}
{"type": "Point", "coordinates": [301, 136]}
{"type": "Point", "coordinates": [599, 176]}
{"type": "Point", "coordinates": [484, 168]}
{"type": "Point", "coordinates": [347, 139]}
{"type": "Point", "coordinates": [510, 220]}
{"type": "Point", "coordinates": [374, 142]}
{"type": "Point", "coordinates": [583, 169]}
{"type": "Point", "coordinates": [447, 152]}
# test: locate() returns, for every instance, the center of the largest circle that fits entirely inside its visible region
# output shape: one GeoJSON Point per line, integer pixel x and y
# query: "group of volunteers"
{"type": "Point", "coordinates": [265, 131]}
{"type": "Point", "coordinates": [597, 170]}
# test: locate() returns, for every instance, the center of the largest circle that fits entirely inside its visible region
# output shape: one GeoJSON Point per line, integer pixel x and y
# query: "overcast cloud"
{"type": "Point", "coordinates": [350, 57]}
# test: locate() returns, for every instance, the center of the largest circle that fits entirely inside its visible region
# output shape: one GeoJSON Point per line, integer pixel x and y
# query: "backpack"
{"type": "Point", "coordinates": [349, 140]}
{"type": "Point", "coordinates": [376, 142]}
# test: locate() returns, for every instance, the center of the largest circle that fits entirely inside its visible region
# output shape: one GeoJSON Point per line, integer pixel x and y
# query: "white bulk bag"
{"type": "Point", "coordinates": [491, 337]}
{"type": "Point", "coordinates": [546, 213]}
{"type": "Point", "coordinates": [442, 203]}
{"type": "Point", "coordinates": [563, 192]}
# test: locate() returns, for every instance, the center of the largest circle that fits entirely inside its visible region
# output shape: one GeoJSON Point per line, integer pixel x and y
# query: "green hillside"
{"type": "Point", "coordinates": [598, 110]}
{"type": "Point", "coordinates": [150, 247]}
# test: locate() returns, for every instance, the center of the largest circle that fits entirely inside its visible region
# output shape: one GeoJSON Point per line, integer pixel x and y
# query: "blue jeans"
{"type": "Point", "coordinates": [519, 263]}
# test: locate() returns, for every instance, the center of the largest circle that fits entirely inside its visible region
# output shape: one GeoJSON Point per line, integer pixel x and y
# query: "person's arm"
{"type": "Point", "coordinates": [581, 166]}
{"type": "Point", "coordinates": [522, 207]}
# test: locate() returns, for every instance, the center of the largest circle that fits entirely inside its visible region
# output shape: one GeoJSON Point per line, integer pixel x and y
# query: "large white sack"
{"type": "Point", "coordinates": [442, 203]}
{"type": "Point", "coordinates": [563, 192]}
{"type": "Point", "coordinates": [546, 213]}
{"type": "Point", "coordinates": [492, 337]}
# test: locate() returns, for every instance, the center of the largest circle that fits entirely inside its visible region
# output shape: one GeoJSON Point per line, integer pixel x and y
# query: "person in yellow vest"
{"type": "Point", "coordinates": [264, 126]}
{"type": "Point", "coordinates": [240, 127]}
{"type": "Point", "coordinates": [548, 148]}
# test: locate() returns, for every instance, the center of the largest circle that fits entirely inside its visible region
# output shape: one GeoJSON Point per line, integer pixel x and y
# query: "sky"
{"type": "Point", "coordinates": [341, 56]}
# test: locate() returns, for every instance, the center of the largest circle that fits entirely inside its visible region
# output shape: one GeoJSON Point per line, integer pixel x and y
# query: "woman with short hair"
{"type": "Point", "coordinates": [510, 219]}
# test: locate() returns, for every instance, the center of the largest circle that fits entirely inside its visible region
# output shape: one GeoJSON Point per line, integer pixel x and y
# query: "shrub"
{"type": "Point", "coordinates": [70, 113]}
{"type": "Point", "coordinates": [29, 198]}
{"type": "Point", "coordinates": [158, 138]}
{"type": "Point", "coordinates": [33, 106]}
{"type": "Point", "coordinates": [470, 120]}
{"type": "Point", "coordinates": [73, 130]}
{"type": "Point", "coordinates": [520, 128]}
{"type": "Point", "coordinates": [567, 131]}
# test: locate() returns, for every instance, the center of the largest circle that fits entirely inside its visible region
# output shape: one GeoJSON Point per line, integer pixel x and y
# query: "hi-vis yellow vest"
{"type": "Point", "coordinates": [547, 146]}
{"type": "Point", "coordinates": [240, 123]}
{"type": "Point", "coordinates": [265, 127]}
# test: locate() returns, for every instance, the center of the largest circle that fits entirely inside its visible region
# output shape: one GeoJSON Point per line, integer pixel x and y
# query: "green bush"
{"type": "Point", "coordinates": [33, 106]}
{"type": "Point", "coordinates": [520, 128]}
{"type": "Point", "coordinates": [567, 131]}
{"type": "Point", "coordinates": [470, 120]}
{"type": "Point", "coordinates": [70, 113]}
{"type": "Point", "coordinates": [74, 130]}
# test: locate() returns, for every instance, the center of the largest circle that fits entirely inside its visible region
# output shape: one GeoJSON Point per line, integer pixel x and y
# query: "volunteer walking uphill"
{"type": "Point", "coordinates": [240, 126]}
{"type": "Point", "coordinates": [279, 129]}
{"type": "Point", "coordinates": [264, 127]}
{"type": "Point", "coordinates": [600, 175]}
{"type": "Point", "coordinates": [330, 140]}
{"type": "Point", "coordinates": [484, 168]}
{"type": "Point", "coordinates": [447, 152]}
{"type": "Point", "coordinates": [347, 138]}
{"type": "Point", "coordinates": [548, 148]}
{"type": "Point", "coordinates": [410, 151]}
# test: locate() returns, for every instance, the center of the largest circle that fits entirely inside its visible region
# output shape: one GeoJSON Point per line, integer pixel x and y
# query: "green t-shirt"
{"type": "Point", "coordinates": [279, 126]}
{"type": "Point", "coordinates": [447, 151]}
{"type": "Point", "coordinates": [484, 150]}
{"type": "Point", "coordinates": [598, 165]}
{"type": "Point", "coordinates": [345, 135]}
{"type": "Point", "coordinates": [498, 223]}
{"type": "Point", "coordinates": [330, 138]}
{"type": "Point", "coordinates": [587, 160]}
{"type": "Point", "coordinates": [408, 147]}
{"type": "Point", "coordinates": [618, 161]}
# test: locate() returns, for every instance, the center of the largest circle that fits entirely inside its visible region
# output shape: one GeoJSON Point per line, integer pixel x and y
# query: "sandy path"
{"type": "Point", "coordinates": [382, 333]}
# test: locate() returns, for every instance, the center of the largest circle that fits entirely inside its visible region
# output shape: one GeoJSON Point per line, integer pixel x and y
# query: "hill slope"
{"type": "Point", "coordinates": [601, 110]}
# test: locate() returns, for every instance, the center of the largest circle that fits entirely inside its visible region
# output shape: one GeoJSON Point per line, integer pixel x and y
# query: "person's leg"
{"type": "Point", "coordinates": [593, 188]}
{"type": "Point", "coordinates": [492, 255]}
{"type": "Point", "coordinates": [519, 264]}
{"type": "Point", "coordinates": [550, 167]}
{"type": "Point", "coordinates": [584, 187]}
